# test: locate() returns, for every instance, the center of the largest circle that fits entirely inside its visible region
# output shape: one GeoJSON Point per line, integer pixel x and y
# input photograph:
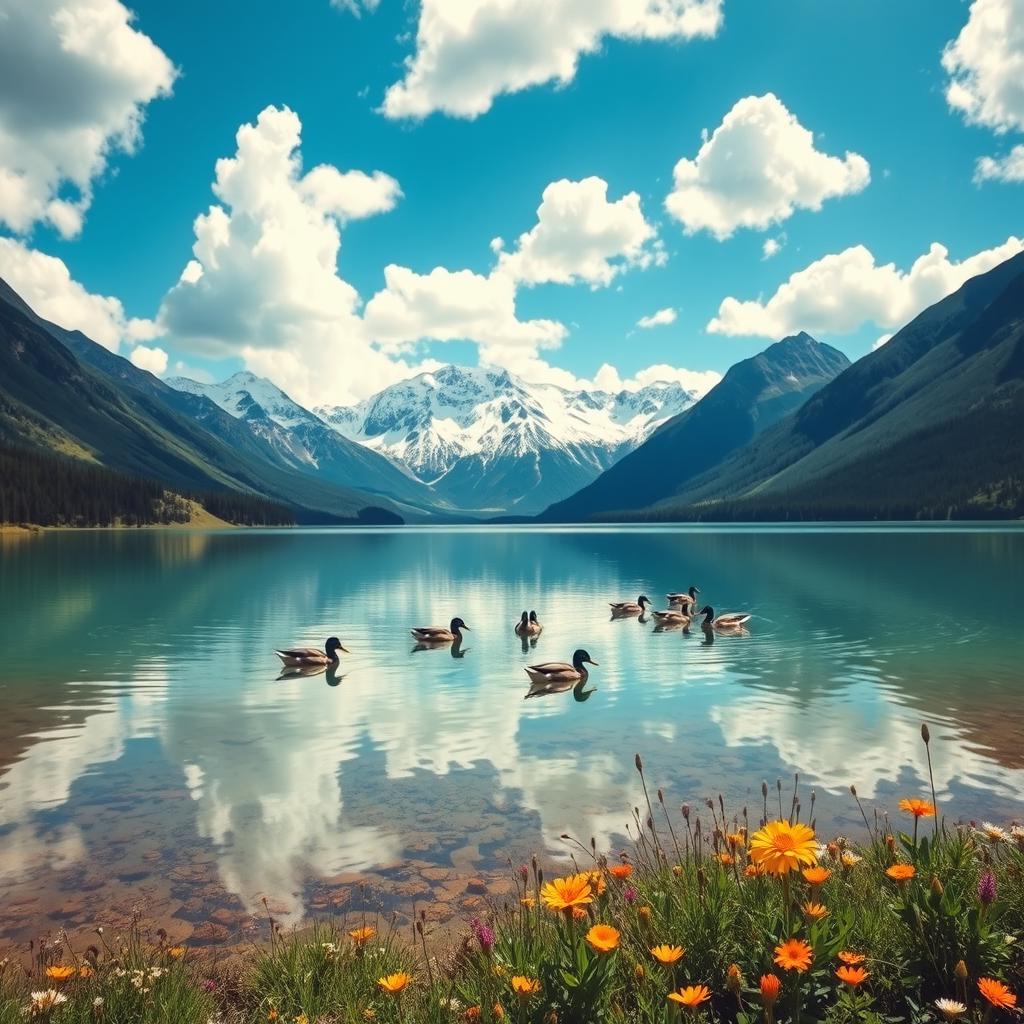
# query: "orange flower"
{"type": "Point", "coordinates": [603, 938]}
{"type": "Point", "coordinates": [817, 875]}
{"type": "Point", "coordinates": [725, 858]}
{"type": "Point", "coordinates": [691, 996]}
{"type": "Point", "coordinates": [362, 935]}
{"type": "Point", "coordinates": [578, 913]}
{"type": "Point", "coordinates": [901, 872]}
{"type": "Point", "coordinates": [781, 847]}
{"type": "Point", "coordinates": [394, 983]}
{"type": "Point", "coordinates": [849, 957]}
{"type": "Point", "coordinates": [667, 955]}
{"type": "Point", "coordinates": [566, 893]}
{"type": "Point", "coordinates": [474, 1013]}
{"type": "Point", "coordinates": [621, 871]}
{"type": "Point", "coordinates": [753, 870]}
{"type": "Point", "coordinates": [60, 972]}
{"type": "Point", "coordinates": [852, 976]}
{"type": "Point", "coordinates": [736, 838]}
{"type": "Point", "coordinates": [85, 971]}
{"type": "Point", "coordinates": [529, 902]}
{"type": "Point", "coordinates": [597, 882]}
{"type": "Point", "coordinates": [272, 1015]}
{"type": "Point", "coordinates": [794, 955]}
{"type": "Point", "coordinates": [997, 993]}
{"type": "Point", "coordinates": [644, 913]}
{"type": "Point", "coordinates": [525, 987]}
{"type": "Point", "coordinates": [733, 978]}
{"type": "Point", "coordinates": [815, 911]}
{"type": "Point", "coordinates": [918, 808]}
{"type": "Point", "coordinates": [177, 952]}
{"type": "Point", "coordinates": [770, 988]}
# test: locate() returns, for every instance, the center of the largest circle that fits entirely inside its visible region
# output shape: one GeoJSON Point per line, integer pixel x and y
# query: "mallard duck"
{"type": "Point", "coordinates": [438, 634]}
{"type": "Point", "coordinates": [557, 673]}
{"type": "Point", "coordinates": [672, 619]}
{"type": "Point", "coordinates": [303, 657]}
{"type": "Point", "coordinates": [687, 600]}
{"type": "Point", "coordinates": [630, 607]}
{"type": "Point", "coordinates": [730, 620]}
{"type": "Point", "coordinates": [535, 627]}
{"type": "Point", "coordinates": [528, 625]}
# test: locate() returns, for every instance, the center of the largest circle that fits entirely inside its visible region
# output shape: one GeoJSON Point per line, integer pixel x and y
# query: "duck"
{"type": "Point", "coordinates": [561, 673]}
{"type": "Point", "coordinates": [305, 657]}
{"type": "Point", "coordinates": [674, 618]}
{"type": "Point", "coordinates": [688, 600]}
{"type": "Point", "coordinates": [630, 607]}
{"type": "Point", "coordinates": [528, 625]}
{"type": "Point", "coordinates": [730, 620]}
{"type": "Point", "coordinates": [438, 634]}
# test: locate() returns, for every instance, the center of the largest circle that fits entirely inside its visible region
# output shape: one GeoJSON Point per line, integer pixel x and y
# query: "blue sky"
{"type": "Point", "coordinates": [864, 79]}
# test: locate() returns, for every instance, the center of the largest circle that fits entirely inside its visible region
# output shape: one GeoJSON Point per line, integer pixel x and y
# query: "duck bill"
{"type": "Point", "coordinates": [345, 649]}
{"type": "Point", "coordinates": [590, 661]}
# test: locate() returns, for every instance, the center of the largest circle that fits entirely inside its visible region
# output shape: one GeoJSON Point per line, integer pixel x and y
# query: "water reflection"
{"type": "Point", "coordinates": [157, 743]}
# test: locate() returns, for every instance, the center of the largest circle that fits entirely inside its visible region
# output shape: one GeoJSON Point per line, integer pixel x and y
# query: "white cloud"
{"type": "Point", "coordinates": [658, 319]}
{"type": "Point", "coordinates": [356, 7]}
{"type": "Point", "coordinates": [880, 341]}
{"type": "Point", "coordinates": [772, 246]}
{"type": "Point", "coordinates": [75, 77]}
{"type": "Point", "coordinates": [153, 359]}
{"type": "Point", "coordinates": [46, 284]}
{"type": "Point", "coordinates": [1009, 168]}
{"type": "Point", "coordinates": [756, 169]}
{"type": "Point", "coordinates": [469, 53]}
{"type": "Point", "coordinates": [263, 284]}
{"type": "Point", "coordinates": [579, 234]}
{"type": "Point", "coordinates": [840, 292]}
{"type": "Point", "coordinates": [985, 64]}
{"type": "Point", "coordinates": [700, 381]}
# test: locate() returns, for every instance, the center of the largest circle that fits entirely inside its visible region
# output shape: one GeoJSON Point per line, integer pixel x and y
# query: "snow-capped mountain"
{"type": "Point", "coordinates": [487, 441]}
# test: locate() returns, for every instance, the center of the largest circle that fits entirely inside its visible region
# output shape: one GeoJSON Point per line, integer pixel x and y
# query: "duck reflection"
{"type": "Point", "coordinates": [330, 672]}
{"type": "Point", "coordinates": [547, 688]}
{"type": "Point", "coordinates": [454, 647]}
{"type": "Point", "coordinates": [528, 643]}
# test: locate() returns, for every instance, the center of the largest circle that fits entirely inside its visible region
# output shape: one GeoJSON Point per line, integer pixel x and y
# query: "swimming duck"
{"type": "Point", "coordinates": [688, 600]}
{"type": "Point", "coordinates": [630, 607]}
{"type": "Point", "coordinates": [528, 625]}
{"type": "Point", "coordinates": [302, 657]}
{"type": "Point", "coordinates": [730, 620]}
{"type": "Point", "coordinates": [438, 634]}
{"type": "Point", "coordinates": [556, 673]}
{"type": "Point", "coordinates": [674, 618]}
{"type": "Point", "coordinates": [535, 627]}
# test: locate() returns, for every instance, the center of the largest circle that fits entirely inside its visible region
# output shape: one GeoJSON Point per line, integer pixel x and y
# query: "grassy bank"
{"type": "Point", "coordinates": [713, 914]}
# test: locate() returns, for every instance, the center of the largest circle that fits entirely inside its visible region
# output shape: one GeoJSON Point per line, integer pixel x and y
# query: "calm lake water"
{"type": "Point", "coordinates": [151, 758]}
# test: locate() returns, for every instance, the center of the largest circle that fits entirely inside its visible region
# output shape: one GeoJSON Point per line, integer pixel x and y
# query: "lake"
{"type": "Point", "coordinates": [151, 760]}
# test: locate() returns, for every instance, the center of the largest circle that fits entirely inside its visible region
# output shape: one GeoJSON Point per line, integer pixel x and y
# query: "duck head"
{"type": "Point", "coordinates": [643, 599]}
{"type": "Point", "coordinates": [334, 644]}
{"type": "Point", "coordinates": [693, 592]}
{"type": "Point", "coordinates": [533, 616]}
{"type": "Point", "coordinates": [581, 657]}
{"type": "Point", "coordinates": [457, 624]}
{"type": "Point", "coordinates": [524, 619]}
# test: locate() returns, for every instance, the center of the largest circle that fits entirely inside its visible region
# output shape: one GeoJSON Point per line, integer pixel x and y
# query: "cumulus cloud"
{"type": "Point", "coordinates": [840, 292]}
{"type": "Point", "coordinates": [75, 78]}
{"type": "Point", "coordinates": [153, 359]}
{"type": "Point", "coordinates": [1009, 168]}
{"type": "Point", "coordinates": [772, 247]}
{"type": "Point", "coordinates": [581, 236]}
{"type": "Point", "coordinates": [46, 284]}
{"type": "Point", "coordinates": [880, 341]}
{"type": "Point", "coordinates": [985, 64]}
{"type": "Point", "coordinates": [759, 166]}
{"type": "Point", "coordinates": [700, 382]}
{"type": "Point", "coordinates": [658, 319]}
{"type": "Point", "coordinates": [263, 282]}
{"type": "Point", "coordinates": [467, 54]}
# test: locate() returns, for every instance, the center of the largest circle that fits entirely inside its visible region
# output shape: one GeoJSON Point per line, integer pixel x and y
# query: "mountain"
{"type": "Point", "coordinates": [489, 442]}
{"type": "Point", "coordinates": [752, 395]}
{"type": "Point", "coordinates": [296, 438]}
{"type": "Point", "coordinates": [931, 425]}
{"type": "Point", "coordinates": [98, 407]}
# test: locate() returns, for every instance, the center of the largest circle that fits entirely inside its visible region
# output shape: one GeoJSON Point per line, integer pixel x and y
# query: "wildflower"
{"type": "Point", "coordinates": [360, 936]}
{"type": "Point", "coordinates": [794, 955]}
{"type": "Point", "coordinates": [525, 987]}
{"type": "Point", "coordinates": [524, 871]}
{"type": "Point", "coordinates": [667, 955]}
{"type": "Point", "coordinates": [85, 971]}
{"type": "Point", "coordinates": [987, 888]}
{"type": "Point", "coordinates": [208, 985]}
{"type": "Point", "coordinates": [566, 893]}
{"type": "Point", "coordinates": [597, 882]}
{"type": "Point", "coordinates": [529, 902]}
{"type": "Point", "coordinates": [60, 972]}
{"type": "Point", "coordinates": [677, 870]}
{"type": "Point", "coordinates": [901, 872]}
{"type": "Point", "coordinates": [734, 978]}
{"type": "Point", "coordinates": [725, 859]}
{"type": "Point", "coordinates": [849, 957]}
{"type": "Point", "coordinates": [691, 996]}
{"type": "Point", "coordinates": [302, 1019]}
{"type": "Point", "coordinates": [394, 983]}
{"type": "Point", "coordinates": [950, 1008]}
{"type": "Point", "coordinates": [781, 847]}
{"type": "Point", "coordinates": [1017, 834]}
{"type": "Point", "coordinates": [753, 870]}
{"type": "Point", "coordinates": [603, 938]}
{"type": "Point", "coordinates": [817, 875]}
{"type": "Point", "coordinates": [960, 971]}
{"type": "Point", "coordinates": [993, 833]}
{"type": "Point", "coordinates": [918, 808]}
{"type": "Point", "coordinates": [578, 913]}
{"type": "Point", "coordinates": [484, 935]}
{"type": "Point", "coordinates": [736, 839]}
{"type": "Point", "coordinates": [849, 859]}
{"type": "Point", "coordinates": [936, 885]}
{"type": "Point", "coordinates": [852, 976]}
{"type": "Point", "coordinates": [621, 871]}
{"type": "Point", "coordinates": [997, 993]}
{"type": "Point", "coordinates": [815, 911]}
{"type": "Point", "coordinates": [639, 973]}
{"type": "Point", "coordinates": [629, 894]}
{"type": "Point", "coordinates": [770, 988]}
{"type": "Point", "coordinates": [329, 949]}
{"type": "Point", "coordinates": [177, 952]}
{"type": "Point", "coordinates": [644, 913]}
{"type": "Point", "coordinates": [44, 1002]}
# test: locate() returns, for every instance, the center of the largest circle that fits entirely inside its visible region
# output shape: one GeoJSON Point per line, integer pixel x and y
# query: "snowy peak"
{"type": "Point", "coordinates": [246, 396]}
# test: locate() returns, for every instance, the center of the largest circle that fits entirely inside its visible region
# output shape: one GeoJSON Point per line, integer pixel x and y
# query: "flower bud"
{"type": "Point", "coordinates": [733, 978]}
{"type": "Point", "coordinates": [960, 970]}
{"type": "Point", "coordinates": [639, 973]}
{"type": "Point", "coordinates": [936, 886]}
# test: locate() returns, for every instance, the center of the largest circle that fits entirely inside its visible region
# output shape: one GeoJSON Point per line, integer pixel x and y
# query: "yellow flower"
{"type": "Point", "coordinates": [815, 911]}
{"type": "Point", "coordinates": [603, 938]}
{"type": "Point", "coordinates": [525, 987]}
{"type": "Point", "coordinates": [780, 847]}
{"type": "Point", "coordinates": [529, 902]}
{"type": "Point", "coordinates": [597, 883]}
{"type": "Point", "coordinates": [177, 952]}
{"type": "Point", "coordinates": [794, 955]}
{"type": "Point", "coordinates": [566, 893]}
{"type": "Point", "coordinates": [394, 983]}
{"type": "Point", "coordinates": [667, 955]}
{"type": "Point", "coordinates": [60, 972]}
{"type": "Point", "coordinates": [850, 859]}
{"type": "Point", "coordinates": [691, 996]}
{"type": "Point", "coordinates": [362, 935]}
{"type": "Point", "coordinates": [918, 808]}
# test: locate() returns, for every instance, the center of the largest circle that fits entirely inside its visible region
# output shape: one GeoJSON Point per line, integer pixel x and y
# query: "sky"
{"type": "Point", "coordinates": [343, 193]}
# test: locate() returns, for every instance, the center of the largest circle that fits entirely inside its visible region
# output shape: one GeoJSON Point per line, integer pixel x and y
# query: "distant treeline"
{"type": "Point", "coordinates": [42, 489]}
